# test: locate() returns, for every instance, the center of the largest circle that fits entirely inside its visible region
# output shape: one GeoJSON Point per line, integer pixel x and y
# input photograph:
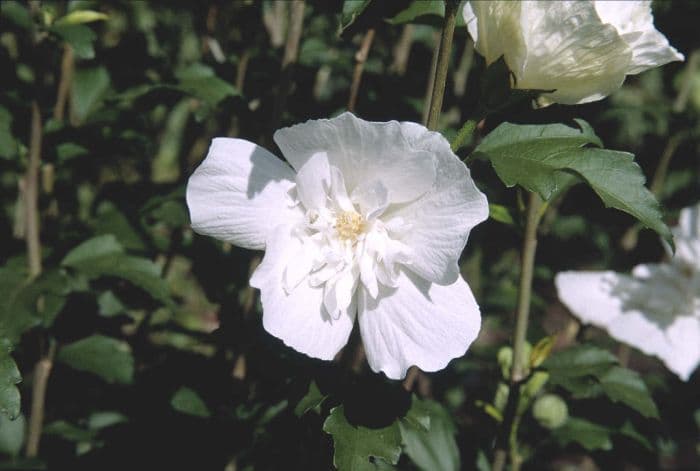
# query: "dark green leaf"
{"type": "Point", "coordinates": [418, 416]}
{"type": "Point", "coordinates": [352, 9]}
{"type": "Point", "coordinates": [501, 214]}
{"type": "Point", "coordinates": [311, 399]}
{"type": "Point", "coordinates": [577, 361]}
{"type": "Point", "coordinates": [12, 435]}
{"type": "Point", "coordinates": [8, 145]}
{"type": "Point", "coordinates": [356, 446]}
{"type": "Point", "coordinates": [69, 150]}
{"type": "Point", "coordinates": [543, 158]}
{"type": "Point", "coordinates": [187, 401]}
{"type": "Point", "coordinates": [89, 88]}
{"type": "Point", "coordinates": [435, 448]}
{"type": "Point", "coordinates": [80, 37]}
{"type": "Point", "coordinates": [417, 9]}
{"type": "Point", "coordinates": [105, 357]}
{"type": "Point", "coordinates": [112, 221]}
{"type": "Point", "coordinates": [68, 431]}
{"type": "Point", "coordinates": [17, 13]}
{"type": "Point", "coordinates": [109, 305]}
{"type": "Point", "coordinates": [104, 256]}
{"type": "Point", "coordinates": [626, 386]}
{"type": "Point", "coordinates": [587, 434]}
{"type": "Point", "coordinates": [104, 419]}
{"type": "Point", "coordinates": [9, 378]}
{"type": "Point", "coordinates": [629, 431]}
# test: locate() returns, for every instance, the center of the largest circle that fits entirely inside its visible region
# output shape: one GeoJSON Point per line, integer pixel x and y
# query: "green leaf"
{"type": "Point", "coordinates": [352, 9]}
{"type": "Point", "coordinates": [110, 220]}
{"type": "Point", "coordinates": [587, 434]}
{"type": "Point", "coordinates": [187, 401]}
{"type": "Point", "coordinates": [12, 435]}
{"type": "Point", "coordinates": [626, 386]}
{"type": "Point", "coordinates": [69, 150]}
{"type": "Point", "coordinates": [106, 357]}
{"type": "Point", "coordinates": [81, 16]}
{"type": "Point", "coordinates": [417, 9]}
{"type": "Point", "coordinates": [9, 378]}
{"type": "Point", "coordinates": [80, 37]}
{"type": "Point", "coordinates": [8, 144]}
{"type": "Point", "coordinates": [17, 13]}
{"type": "Point", "coordinates": [418, 416]}
{"type": "Point", "coordinates": [356, 446]}
{"type": "Point", "coordinates": [89, 88]}
{"type": "Point", "coordinates": [543, 159]}
{"type": "Point", "coordinates": [313, 398]}
{"type": "Point", "coordinates": [104, 256]}
{"type": "Point", "coordinates": [501, 214]}
{"type": "Point", "coordinates": [580, 360]}
{"type": "Point", "coordinates": [628, 430]}
{"type": "Point", "coordinates": [103, 419]}
{"type": "Point", "coordinates": [109, 305]}
{"type": "Point", "coordinates": [435, 448]}
{"type": "Point", "coordinates": [68, 431]}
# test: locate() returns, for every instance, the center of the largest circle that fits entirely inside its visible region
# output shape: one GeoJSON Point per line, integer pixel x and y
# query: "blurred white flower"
{"type": "Point", "coordinates": [582, 49]}
{"type": "Point", "coordinates": [369, 221]}
{"type": "Point", "coordinates": [656, 309]}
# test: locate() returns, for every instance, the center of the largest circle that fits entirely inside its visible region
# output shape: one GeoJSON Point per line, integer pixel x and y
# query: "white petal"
{"type": "Point", "coordinates": [372, 199]}
{"type": "Point", "coordinates": [313, 181]}
{"type": "Point", "coordinates": [687, 237]}
{"type": "Point", "coordinates": [417, 323]}
{"type": "Point", "coordinates": [442, 218]}
{"type": "Point", "coordinates": [620, 305]}
{"type": "Point", "coordinates": [571, 51]}
{"type": "Point", "coordinates": [239, 192]}
{"type": "Point", "coordinates": [495, 28]}
{"type": "Point", "coordinates": [363, 151]}
{"type": "Point", "coordinates": [297, 318]}
{"type": "Point", "coordinates": [635, 24]}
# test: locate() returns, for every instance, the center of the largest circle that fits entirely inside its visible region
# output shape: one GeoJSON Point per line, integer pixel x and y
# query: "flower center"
{"type": "Point", "coordinates": [349, 225]}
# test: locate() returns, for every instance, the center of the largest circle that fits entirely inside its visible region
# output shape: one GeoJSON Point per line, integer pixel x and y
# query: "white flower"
{"type": "Point", "coordinates": [582, 49]}
{"type": "Point", "coordinates": [656, 309]}
{"type": "Point", "coordinates": [368, 222]}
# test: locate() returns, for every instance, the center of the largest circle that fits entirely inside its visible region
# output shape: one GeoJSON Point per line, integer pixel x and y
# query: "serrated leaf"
{"type": "Point", "coordinates": [106, 357]}
{"type": "Point", "coordinates": [626, 386]}
{"type": "Point", "coordinates": [9, 378]}
{"type": "Point", "coordinates": [80, 37]}
{"type": "Point", "coordinates": [435, 448]}
{"type": "Point", "coordinates": [587, 434]}
{"type": "Point", "coordinates": [80, 17]}
{"type": "Point", "coordinates": [543, 159]}
{"type": "Point", "coordinates": [187, 401]}
{"type": "Point", "coordinates": [355, 445]}
{"type": "Point", "coordinates": [313, 397]}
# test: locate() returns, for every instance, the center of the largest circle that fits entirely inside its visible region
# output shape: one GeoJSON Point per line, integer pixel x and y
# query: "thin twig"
{"type": "Point", "coordinates": [411, 377]}
{"type": "Point", "coordinates": [42, 371]}
{"type": "Point", "coordinates": [31, 194]}
{"type": "Point", "coordinates": [67, 65]}
{"type": "Point", "coordinates": [291, 52]}
{"type": "Point", "coordinates": [360, 59]}
{"type": "Point", "coordinates": [443, 63]}
{"type": "Point", "coordinates": [431, 79]}
{"type": "Point", "coordinates": [402, 50]}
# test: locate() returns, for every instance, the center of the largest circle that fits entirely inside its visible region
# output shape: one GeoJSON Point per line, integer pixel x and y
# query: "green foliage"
{"type": "Point", "coordinates": [587, 434]}
{"type": "Point", "coordinates": [544, 158]}
{"type": "Point", "coordinates": [12, 434]}
{"type": "Point", "coordinates": [106, 357]}
{"type": "Point", "coordinates": [312, 399]}
{"type": "Point", "coordinates": [9, 378]}
{"type": "Point", "coordinates": [357, 447]}
{"type": "Point", "coordinates": [187, 401]}
{"type": "Point", "coordinates": [588, 371]}
{"type": "Point", "coordinates": [433, 446]}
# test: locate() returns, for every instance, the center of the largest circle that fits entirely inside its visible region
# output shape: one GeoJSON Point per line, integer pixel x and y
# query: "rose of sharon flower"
{"type": "Point", "coordinates": [656, 309]}
{"type": "Point", "coordinates": [582, 49]}
{"type": "Point", "coordinates": [369, 222]}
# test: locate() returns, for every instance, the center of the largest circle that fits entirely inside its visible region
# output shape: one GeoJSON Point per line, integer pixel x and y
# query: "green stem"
{"type": "Point", "coordinates": [466, 131]}
{"type": "Point", "coordinates": [443, 63]}
{"type": "Point", "coordinates": [525, 289]}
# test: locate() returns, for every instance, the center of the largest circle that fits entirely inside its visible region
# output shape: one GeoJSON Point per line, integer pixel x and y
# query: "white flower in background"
{"type": "Point", "coordinates": [656, 309]}
{"type": "Point", "coordinates": [582, 49]}
{"type": "Point", "coordinates": [369, 222]}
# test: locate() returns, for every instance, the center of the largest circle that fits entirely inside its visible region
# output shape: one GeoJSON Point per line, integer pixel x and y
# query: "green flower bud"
{"type": "Point", "coordinates": [550, 411]}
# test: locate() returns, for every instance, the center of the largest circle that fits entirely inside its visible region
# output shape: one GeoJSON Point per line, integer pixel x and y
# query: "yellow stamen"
{"type": "Point", "coordinates": [349, 225]}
